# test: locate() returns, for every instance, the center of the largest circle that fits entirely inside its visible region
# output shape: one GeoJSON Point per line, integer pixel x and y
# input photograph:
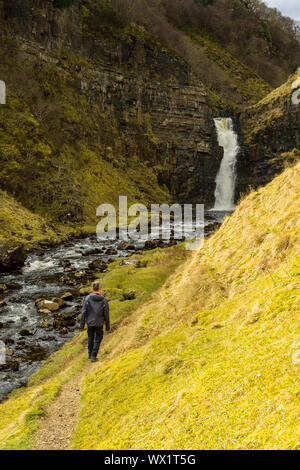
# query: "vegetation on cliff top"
{"type": "Point", "coordinates": [234, 41]}
{"type": "Point", "coordinates": [210, 361]}
{"type": "Point", "coordinates": [269, 111]}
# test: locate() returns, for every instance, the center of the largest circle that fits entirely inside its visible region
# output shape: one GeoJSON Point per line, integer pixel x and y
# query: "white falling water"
{"type": "Point", "coordinates": [226, 177]}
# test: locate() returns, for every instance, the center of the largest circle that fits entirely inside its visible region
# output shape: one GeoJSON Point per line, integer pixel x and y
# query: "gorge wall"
{"type": "Point", "coordinates": [106, 110]}
{"type": "Point", "coordinates": [270, 136]}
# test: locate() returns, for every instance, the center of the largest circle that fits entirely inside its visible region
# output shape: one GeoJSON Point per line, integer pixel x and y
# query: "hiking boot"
{"type": "Point", "coordinates": [94, 359]}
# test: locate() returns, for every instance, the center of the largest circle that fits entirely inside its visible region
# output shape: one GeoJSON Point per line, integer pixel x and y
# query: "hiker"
{"type": "Point", "coordinates": [95, 313]}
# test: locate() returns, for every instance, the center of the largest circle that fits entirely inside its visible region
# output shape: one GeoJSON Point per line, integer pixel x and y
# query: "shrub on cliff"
{"type": "Point", "coordinates": [62, 3]}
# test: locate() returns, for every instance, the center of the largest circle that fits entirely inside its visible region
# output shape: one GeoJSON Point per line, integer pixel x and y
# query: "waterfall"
{"type": "Point", "coordinates": [226, 177]}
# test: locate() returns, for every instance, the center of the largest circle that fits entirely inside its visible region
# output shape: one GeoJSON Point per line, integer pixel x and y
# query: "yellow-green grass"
{"type": "Point", "coordinates": [156, 267]}
{"type": "Point", "coordinates": [17, 223]}
{"type": "Point", "coordinates": [208, 362]}
{"type": "Point", "coordinates": [18, 415]}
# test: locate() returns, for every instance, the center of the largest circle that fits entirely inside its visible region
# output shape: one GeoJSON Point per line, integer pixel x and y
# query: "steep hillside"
{"type": "Point", "coordinates": [97, 109]}
{"type": "Point", "coordinates": [240, 49]}
{"type": "Point", "coordinates": [210, 361]}
{"type": "Point", "coordinates": [107, 97]}
{"type": "Point", "coordinates": [19, 225]}
{"type": "Point", "coordinates": [269, 136]}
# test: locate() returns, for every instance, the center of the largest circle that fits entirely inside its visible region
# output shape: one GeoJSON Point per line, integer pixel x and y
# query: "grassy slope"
{"type": "Point", "coordinates": [18, 224]}
{"type": "Point", "coordinates": [18, 414]}
{"type": "Point", "coordinates": [208, 363]}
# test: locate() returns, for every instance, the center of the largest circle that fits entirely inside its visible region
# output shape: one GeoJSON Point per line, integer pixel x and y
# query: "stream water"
{"type": "Point", "coordinates": [28, 335]}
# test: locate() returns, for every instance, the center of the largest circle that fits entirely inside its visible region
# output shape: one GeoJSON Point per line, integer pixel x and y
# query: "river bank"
{"type": "Point", "coordinates": [40, 303]}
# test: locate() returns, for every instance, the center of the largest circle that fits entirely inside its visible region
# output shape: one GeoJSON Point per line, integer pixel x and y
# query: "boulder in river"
{"type": "Point", "coordinates": [68, 280]}
{"type": "Point", "coordinates": [59, 301]}
{"type": "Point", "coordinates": [80, 274]}
{"type": "Point", "coordinates": [65, 319]}
{"type": "Point", "coordinates": [45, 324]}
{"type": "Point", "coordinates": [111, 251]}
{"type": "Point", "coordinates": [27, 332]}
{"type": "Point", "coordinates": [43, 304]}
{"type": "Point", "coordinates": [17, 300]}
{"type": "Point", "coordinates": [152, 244]}
{"type": "Point", "coordinates": [12, 256]}
{"type": "Point", "coordinates": [13, 285]}
{"type": "Point", "coordinates": [44, 311]}
{"type": "Point", "coordinates": [67, 296]}
{"type": "Point", "coordinates": [33, 352]}
{"type": "Point", "coordinates": [65, 262]}
{"type": "Point", "coordinates": [92, 251]}
{"type": "Point", "coordinates": [98, 265]}
{"type": "Point", "coordinates": [10, 365]}
{"type": "Point", "coordinates": [3, 288]}
{"type": "Point", "coordinates": [69, 269]}
{"type": "Point", "coordinates": [8, 341]}
{"type": "Point", "coordinates": [126, 246]}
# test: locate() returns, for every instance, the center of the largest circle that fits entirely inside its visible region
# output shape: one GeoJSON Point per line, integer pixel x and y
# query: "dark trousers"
{"type": "Point", "coordinates": [95, 336]}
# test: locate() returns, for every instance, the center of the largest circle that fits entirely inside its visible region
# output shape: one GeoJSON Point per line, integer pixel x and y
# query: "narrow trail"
{"type": "Point", "coordinates": [56, 426]}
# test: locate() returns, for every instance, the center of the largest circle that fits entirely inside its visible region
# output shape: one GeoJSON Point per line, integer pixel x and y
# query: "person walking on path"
{"type": "Point", "coordinates": [95, 313]}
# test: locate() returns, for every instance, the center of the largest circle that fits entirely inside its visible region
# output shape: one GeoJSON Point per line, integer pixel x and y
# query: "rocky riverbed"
{"type": "Point", "coordinates": [40, 304]}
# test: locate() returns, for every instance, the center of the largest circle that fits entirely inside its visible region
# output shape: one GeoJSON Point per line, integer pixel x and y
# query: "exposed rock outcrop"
{"type": "Point", "coordinates": [12, 256]}
{"type": "Point", "coordinates": [157, 108]}
{"type": "Point", "coordinates": [270, 136]}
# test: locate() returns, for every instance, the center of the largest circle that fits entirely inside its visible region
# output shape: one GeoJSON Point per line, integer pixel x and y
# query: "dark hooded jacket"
{"type": "Point", "coordinates": [95, 311]}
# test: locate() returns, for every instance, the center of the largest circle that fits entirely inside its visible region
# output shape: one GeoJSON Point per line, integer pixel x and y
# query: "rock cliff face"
{"type": "Point", "coordinates": [270, 136]}
{"type": "Point", "coordinates": [148, 95]}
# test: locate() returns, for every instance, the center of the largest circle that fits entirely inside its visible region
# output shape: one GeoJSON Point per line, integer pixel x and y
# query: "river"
{"type": "Point", "coordinates": [30, 336]}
